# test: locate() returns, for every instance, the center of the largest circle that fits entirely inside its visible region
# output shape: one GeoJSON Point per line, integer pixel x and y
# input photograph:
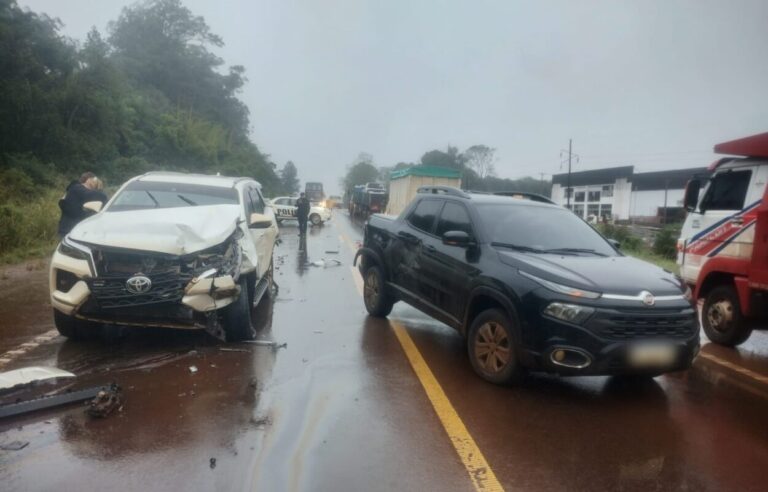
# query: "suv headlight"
{"type": "Point", "coordinates": [561, 289]}
{"type": "Point", "coordinates": [572, 313]}
{"type": "Point", "coordinates": [225, 258]}
{"type": "Point", "coordinates": [77, 252]}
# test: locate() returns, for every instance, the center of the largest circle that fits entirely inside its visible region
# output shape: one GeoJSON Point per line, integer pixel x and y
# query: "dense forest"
{"type": "Point", "coordinates": [148, 94]}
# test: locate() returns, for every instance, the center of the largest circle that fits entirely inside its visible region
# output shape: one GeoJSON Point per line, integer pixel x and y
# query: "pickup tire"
{"type": "Point", "coordinates": [378, 300]}
{"type": "Point", "coordinates": [492, 348]}
{"type": "Point", "coordinates": [237, 316]}
{"type": "Point", "coordinates": [722, 318]}
{"type": "Point", "coordinates": [315, 219]}
{"type": "Point", "coordinates": [73, 328]}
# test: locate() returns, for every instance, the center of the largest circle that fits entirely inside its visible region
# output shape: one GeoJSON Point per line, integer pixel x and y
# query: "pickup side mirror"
{"type": "Point", "coordinates": [457, 238]}
{"type": "Point", "coordinates": [614, 243]}
{"type": "Point", "coordinates": [691, 198]}
{"type": "Point", "coordinates": [259, 221]}
{"type": "Point", "coordinates": [92, 207]}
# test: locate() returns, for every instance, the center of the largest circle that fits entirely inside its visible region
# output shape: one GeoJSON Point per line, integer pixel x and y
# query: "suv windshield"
{"type": "Point", "coordinates": [141, 195]}
{"type": "Point", "coordinates": [541, 229]}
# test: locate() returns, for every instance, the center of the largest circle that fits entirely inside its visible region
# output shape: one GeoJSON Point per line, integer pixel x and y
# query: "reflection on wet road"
{"type": "Point", "coordinates": [340, 407]}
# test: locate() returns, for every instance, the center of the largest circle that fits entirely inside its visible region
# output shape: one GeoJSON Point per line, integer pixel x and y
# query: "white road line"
{"type": "Point", "coordinates": [25, 347]}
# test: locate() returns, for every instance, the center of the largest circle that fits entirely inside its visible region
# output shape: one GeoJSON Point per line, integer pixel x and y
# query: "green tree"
{"type": "Point", "coordinates": [360, 173]}
{"type": "Point", "coordinates": [450, 158]}
{"type": "Point", "coordinates": [289, 178]}
{"type": "Point", "coordinates": [481, 158]}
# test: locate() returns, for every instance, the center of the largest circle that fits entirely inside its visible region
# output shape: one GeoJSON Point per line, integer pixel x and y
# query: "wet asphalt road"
{"type": "Point", "coordinates": [341, 408]}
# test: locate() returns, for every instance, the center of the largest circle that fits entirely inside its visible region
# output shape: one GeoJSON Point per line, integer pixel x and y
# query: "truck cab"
{"type": "Point", "coordinates": [722, 248]}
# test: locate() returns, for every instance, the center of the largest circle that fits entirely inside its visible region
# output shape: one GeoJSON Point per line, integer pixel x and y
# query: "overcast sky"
{"type": "Point", "coordinates": [650, 83]}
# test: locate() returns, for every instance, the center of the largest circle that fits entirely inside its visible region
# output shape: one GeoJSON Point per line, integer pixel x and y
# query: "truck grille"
{"type": "Point", "coordinates": [631, 326]}
{"type": "Point", "coordinates": [110, 291]}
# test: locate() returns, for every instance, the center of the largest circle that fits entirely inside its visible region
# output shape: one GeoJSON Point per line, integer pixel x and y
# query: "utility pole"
{"type": "Point", "coordinates": [568, 188]}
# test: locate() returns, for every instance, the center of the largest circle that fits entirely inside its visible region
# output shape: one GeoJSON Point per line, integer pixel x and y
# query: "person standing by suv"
{"type": "Point", "coordinates": [86, 189]}
{"type": "Point", "coordinates": [302, 213]}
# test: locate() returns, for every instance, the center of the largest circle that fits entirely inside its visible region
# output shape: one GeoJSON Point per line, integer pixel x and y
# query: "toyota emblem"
{"type": "Point", "coordinates": [138, 284]}
{"type": "Point", "coordinates": [648, 298]}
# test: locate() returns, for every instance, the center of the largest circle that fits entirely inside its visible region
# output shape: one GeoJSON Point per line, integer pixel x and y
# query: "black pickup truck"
{"type": "Point", "coordinates": [530, 286]}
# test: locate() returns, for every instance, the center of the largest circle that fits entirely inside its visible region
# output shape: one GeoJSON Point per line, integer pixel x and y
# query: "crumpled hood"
{"type": "Point", "coordinates": [622, 275]}
{"type": "Point", "coordinates": [175, 231]}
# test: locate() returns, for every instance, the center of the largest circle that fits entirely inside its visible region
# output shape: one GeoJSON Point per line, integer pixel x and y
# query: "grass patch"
{"type": "Point", "coordinates": [650, 257]}
{"type": "Point", "coordinates": [28, 228]}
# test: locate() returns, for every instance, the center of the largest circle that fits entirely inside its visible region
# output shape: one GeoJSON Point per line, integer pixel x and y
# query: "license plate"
{"type": "Point", "coordinates": [652, 355]}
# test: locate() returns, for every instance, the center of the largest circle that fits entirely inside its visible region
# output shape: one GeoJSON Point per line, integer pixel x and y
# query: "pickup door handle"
{"type": "Point", "coordinates": [430, 249]}
{"type": "Point", "coordinates": [737, 221]}
{"type": "Point", "coordinates": [408, 237]}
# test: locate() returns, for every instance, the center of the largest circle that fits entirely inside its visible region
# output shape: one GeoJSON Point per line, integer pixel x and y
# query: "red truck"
{"type": "Point", "coordinates": [723, 248]}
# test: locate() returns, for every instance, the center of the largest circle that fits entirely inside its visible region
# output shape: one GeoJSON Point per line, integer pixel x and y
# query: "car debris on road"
{"type": "Point", "coordinates": [106, 402]}
{"type": "Point", "coordinates": [27, 375]}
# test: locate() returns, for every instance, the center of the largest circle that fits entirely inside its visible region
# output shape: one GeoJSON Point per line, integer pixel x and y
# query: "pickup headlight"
{"type": "Point", "coordinates": [75, 251]}
{"type": "Point", "coordinates": [561, 289]}
{"type": "Point", "coordinates": [572, 313]}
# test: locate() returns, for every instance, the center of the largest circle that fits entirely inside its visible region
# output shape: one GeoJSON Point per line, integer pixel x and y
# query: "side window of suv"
{"type": "Point", "coordinates": [257, 202]}
{"type": "Point", "coordinates": [423, 216]}
{"type": "Point", "coordinates": [727, 191]}
{"type": "Point", "coordinates": [454, 217]}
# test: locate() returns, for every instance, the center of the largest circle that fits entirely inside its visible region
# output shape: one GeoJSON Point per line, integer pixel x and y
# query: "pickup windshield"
{"type": "Point", "coordinates": [541, 230]}
{"type": "Point", "coordinates": [141, 195]}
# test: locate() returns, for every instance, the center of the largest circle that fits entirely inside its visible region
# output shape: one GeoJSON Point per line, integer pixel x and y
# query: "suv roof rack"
{"type": "Point", "coordinates": [442, 190]}
{"type": "Point", "coordinates": [534, 197]}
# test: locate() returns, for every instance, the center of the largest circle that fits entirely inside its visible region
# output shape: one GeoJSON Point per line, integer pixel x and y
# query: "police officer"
{"type": "Point", "coordinates": [302, 213]}
{"type": "Point", "coordinates": [79, 192]}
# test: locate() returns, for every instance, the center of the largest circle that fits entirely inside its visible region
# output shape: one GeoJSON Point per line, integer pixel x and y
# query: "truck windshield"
{"type": "Point", "coordinates": [141, 195]}
{"type": "Point", "coordinates": [541, 230]}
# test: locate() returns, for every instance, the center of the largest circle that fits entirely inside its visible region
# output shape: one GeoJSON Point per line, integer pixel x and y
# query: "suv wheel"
{"type": "Point", "coordinates": [722, 319]}
{"type": "Point", "coordinates": [73, 328]}
{"type": "Point", "coordinates": [492, 349]}
{"type": "Point", "coordinates": [237, 316]}
{"type": "Point", "coordinates": [377, 300]}
{"type": "Point", "coordinates": [315, 219]}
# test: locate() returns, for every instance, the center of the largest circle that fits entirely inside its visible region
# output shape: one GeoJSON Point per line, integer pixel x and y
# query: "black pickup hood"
{"type": "Point", "coordinates": [622, 275]}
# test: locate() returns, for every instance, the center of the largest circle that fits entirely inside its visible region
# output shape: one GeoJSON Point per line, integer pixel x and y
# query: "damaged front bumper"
{"type": "Point", "coordinates": [164, 297]}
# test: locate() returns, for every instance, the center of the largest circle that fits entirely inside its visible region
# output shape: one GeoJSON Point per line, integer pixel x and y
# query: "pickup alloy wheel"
{"type": "Point", "coordinates": [491, 347]}
{"type": "Point", "coordinates": [237, 316]}
{"type": "Point", "coordinates": [315, 219]}
{"type": "Point", "coordinates": [377, 300]}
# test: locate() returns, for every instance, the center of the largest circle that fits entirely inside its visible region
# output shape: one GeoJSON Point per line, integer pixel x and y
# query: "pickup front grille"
{"type": "Point", "coordinates": [620, 326]}
{"type": "Point", "coordinates": [110, 292]}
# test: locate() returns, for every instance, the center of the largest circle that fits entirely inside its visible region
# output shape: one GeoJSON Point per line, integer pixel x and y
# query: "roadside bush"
{"type": "Point", "coordinates": [623, 235]}
{"type": "Point", "coordinates": [665, 243]}
{"type": "Point", "coordinates": [31, 225]}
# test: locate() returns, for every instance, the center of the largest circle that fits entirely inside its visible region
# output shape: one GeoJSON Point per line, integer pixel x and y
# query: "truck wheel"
{"type": "Point", "coordinates": [237, 316]}
{"type": "Point", "coordinates": [250, 280]}
{"type": "Point", "coordinates": [492, 348]}
{"type": "Point", "coordinates": [722, 319]}
{"type": "Point", "coordinates": [315, 219]}
{"type": "Point", "coordinates": [73, 328]}
{"type": "Point", "coordinates": [377, 300]}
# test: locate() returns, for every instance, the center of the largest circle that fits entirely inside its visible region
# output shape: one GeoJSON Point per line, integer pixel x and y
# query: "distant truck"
{"type": "Point", "coordinates": [367, 199]}
{"type": "Point", "coordinates": [314, 192]}
{"type": "Point", "coordinates": [723, 247]}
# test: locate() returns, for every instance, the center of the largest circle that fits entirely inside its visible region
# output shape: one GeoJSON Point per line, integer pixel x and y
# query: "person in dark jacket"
{"type": "Point", "coordinates": [78, 193]}
{"type": "Point", "coordinates": [302, 212]}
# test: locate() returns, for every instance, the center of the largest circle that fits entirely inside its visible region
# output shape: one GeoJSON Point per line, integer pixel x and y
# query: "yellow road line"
{"type": "Point", "coordinates": [734, 367]}
{"type": "Point", "coordinates": [480, 472]}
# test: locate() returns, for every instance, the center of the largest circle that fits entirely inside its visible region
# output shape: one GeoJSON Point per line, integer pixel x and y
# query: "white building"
{"type": "Point", "coordinates": [621, 194]}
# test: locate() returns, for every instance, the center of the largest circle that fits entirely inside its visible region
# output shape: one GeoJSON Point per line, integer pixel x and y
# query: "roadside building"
{"type": "Point", "coordinates": [404, 183]}
{"type": "Point", "coordinates": [618, 193]}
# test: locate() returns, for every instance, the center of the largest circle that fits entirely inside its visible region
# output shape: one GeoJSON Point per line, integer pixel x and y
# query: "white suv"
{"type": "Point", "coordinates": [285, 209]}
{"type": "Point", "coordinates": [168, 250]}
